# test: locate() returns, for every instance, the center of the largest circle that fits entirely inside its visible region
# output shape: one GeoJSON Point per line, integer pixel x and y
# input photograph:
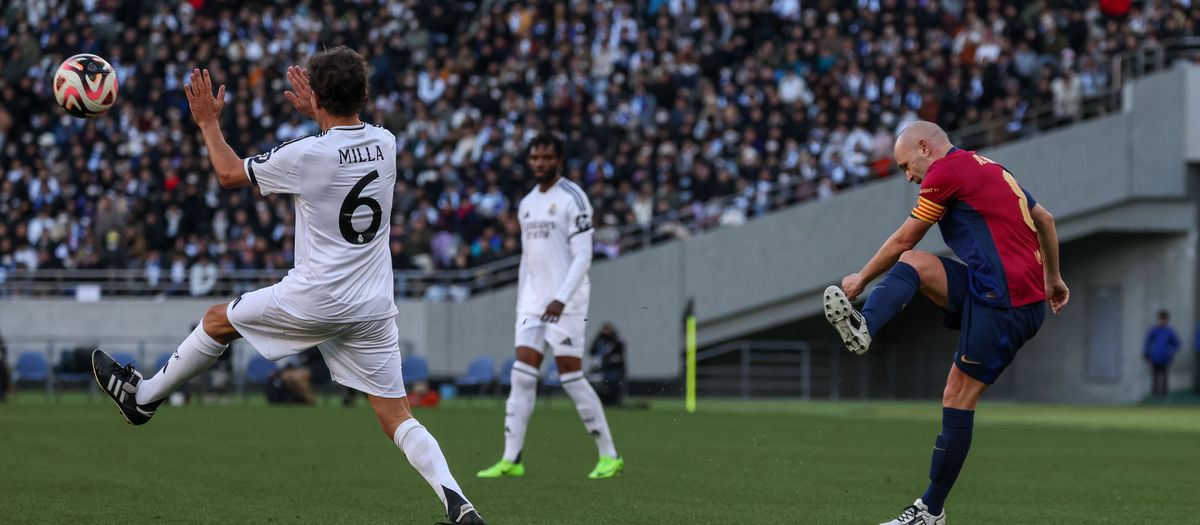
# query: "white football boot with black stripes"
{"type": "Point", "coordinates": [121, 382]}
{"type": "Point", "coordinates": [848, 322]}
{"type": "Point", "coordinates": [918, 514]}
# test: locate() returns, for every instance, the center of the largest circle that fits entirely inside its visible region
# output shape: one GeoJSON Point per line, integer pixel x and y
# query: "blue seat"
{"type": "Point", "coordinates": [159, 363]}
{"type": "Point", "coordinates": [123, 358]}
{"type": "Point", "coordinates": [31, 366]}
{"type": "Point", "coordinates": [415, 368]}
{"type": "Point", "coordinates": [480, 376]}
{"type": "Point", "coordinates": [552, 380]}
{"type": "Point", "coordinates": [258, 372]}
{"type": "Point", "coordinates": [481, 371]}
{"type": "Point", "coordinates": [260, 369]}
{"type": "Point", "coordinates": [505, 378]}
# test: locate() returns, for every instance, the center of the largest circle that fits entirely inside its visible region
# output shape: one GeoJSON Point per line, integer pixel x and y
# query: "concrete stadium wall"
{"type": "Point", "coordinates": [1147, 273]}
{"type": "Point", "coordinates": [1192, 112]}
{"type": "Point", "coordinates": [1125, 173]}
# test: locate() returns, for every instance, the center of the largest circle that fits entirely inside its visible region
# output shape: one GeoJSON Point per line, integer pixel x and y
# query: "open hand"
{"type": "Point", "coordinates": [301, 95]}
{"type": "Point", "coordinates": [206, 108]}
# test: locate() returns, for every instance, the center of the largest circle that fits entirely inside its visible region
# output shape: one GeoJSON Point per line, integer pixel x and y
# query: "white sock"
{"type": "Point", "coordinates": [587, 403]}
{"type": "Point", "coordinates": [194, 355]}
{"type": "Point", "coordinates": [426, 456]}
{"type": "Point", "coordinates": [519, 407]}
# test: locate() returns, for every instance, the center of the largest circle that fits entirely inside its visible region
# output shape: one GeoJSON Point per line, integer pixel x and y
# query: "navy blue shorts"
{"type": "Point", "coordinates": [990, 336]}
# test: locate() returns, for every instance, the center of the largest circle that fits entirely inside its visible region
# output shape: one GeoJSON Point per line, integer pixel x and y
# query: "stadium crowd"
{"type": "Point", "coordinates": [666, 106]}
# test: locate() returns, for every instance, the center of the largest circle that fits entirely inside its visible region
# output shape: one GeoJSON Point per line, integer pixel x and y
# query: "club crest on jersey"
{"type": "Point", "coordinates": [553, 208]}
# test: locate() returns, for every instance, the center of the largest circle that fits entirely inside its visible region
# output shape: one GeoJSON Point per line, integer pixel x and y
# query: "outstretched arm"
{"type": "Point", "coordinates": [206, 111]}
{"type": "Point", "coordinates": [904, 239]}
{"type": "Point", "coordinates": [1056, 289]}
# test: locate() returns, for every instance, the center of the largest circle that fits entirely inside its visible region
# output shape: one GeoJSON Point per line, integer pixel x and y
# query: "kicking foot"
{"type": "Point", "coordinates": [121, 384]}
{"type": "Point", "coordinates": [503, 469]}
{"type": "Point", "coordinates": [850, 324]}
{"type": "Point", "coordinates": [607, 467]}
{"type": "Point", "coordinates": [918, 514]}
{"type": "Point", "coordinates": [459, 510]}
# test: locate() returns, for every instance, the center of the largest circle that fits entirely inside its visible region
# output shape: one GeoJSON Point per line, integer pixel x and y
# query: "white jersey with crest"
{"type": "Point", "coordinates": [548, 222]}
{"type": "Point", "coordinates": [342, 182]}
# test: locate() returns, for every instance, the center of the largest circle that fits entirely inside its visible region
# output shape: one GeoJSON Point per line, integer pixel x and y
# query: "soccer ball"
{"type": "Point", "coordinates": [85, 85]}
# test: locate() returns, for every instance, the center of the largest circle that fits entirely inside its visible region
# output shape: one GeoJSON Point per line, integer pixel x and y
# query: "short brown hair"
{"type": "Point", "coordinates": [338, 77]}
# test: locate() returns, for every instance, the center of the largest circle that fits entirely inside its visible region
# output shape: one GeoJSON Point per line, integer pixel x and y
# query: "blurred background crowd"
{"type": "Point", "coordinates": [679, 115]}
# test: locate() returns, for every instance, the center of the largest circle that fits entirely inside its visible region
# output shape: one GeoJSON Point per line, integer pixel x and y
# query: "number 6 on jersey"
{"type": "Point", "coordinates": [353, 202]}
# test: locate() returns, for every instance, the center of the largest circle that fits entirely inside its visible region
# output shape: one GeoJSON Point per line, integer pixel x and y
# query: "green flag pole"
{"type": "Point", "coordinates": [690, 336]}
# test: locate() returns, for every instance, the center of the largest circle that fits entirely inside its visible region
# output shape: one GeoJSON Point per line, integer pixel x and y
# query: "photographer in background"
{"type": "Point", "coordinates": [294, 382]}
{"type": "Point", "coordinates": [608, 365]}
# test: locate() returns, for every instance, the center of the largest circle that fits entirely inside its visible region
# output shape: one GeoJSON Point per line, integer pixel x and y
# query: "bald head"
{"type": "Point", "coordinates": [922, 130]}
{"type": "Point", "coordinates": [919, 145]}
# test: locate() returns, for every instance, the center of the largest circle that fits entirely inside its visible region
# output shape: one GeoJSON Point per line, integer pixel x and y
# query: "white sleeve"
{"type": "Point", "coordinates": [580, 240]}
{"type": "Point", "coordinates": [278, 170]}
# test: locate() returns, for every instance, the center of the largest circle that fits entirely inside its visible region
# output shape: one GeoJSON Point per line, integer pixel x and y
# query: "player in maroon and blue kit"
{"type": "Point", "coordinates": [997, 299]}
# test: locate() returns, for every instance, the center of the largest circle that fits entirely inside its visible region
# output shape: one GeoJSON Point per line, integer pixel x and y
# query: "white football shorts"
{"type": "Point", "coordinates": [362, 355]}
{"type": "Point", "coordinates": [564, 337]}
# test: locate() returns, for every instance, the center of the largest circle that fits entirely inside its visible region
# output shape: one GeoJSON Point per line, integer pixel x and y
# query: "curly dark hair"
{"type": "Point", "coordinates": [546, 139]}
{"type": "Point", "coordinates": [338, 77]}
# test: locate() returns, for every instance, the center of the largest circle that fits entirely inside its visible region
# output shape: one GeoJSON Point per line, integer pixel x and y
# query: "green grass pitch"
{"type": "Point", "coordinates": [731, 462]}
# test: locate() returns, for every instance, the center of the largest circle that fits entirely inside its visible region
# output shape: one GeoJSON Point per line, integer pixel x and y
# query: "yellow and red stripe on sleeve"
{"type": "Point", "coordinates": [928, 210]}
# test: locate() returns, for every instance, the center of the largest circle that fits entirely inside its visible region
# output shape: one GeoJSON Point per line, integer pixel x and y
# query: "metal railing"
{"type": "Point", "coordinates": [800, 369]}
{"type": "Point", "coordinates": [438, 285]}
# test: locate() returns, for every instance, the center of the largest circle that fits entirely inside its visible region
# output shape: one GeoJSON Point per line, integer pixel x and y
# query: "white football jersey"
{"type": "Point", "coordinates": [548, 222]}
{"type": "Point", "coordinates": [342, 182]}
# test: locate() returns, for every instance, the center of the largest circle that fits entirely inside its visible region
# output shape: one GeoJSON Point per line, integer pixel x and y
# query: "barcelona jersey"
{"type": "Point", "coordinates": [984, 217]}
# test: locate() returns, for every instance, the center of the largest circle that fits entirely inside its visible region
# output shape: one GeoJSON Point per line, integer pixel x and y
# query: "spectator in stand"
{"type": "Point", "coordinates": [1068, 93]}
{"type": "Point", "coordinates": [703, 98]}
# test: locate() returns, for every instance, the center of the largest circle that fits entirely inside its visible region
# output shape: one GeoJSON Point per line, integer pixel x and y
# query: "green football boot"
{"type": "Point", "coordinates": [503, 469]}
{"type": "Point", "coordinates": [607, 467]}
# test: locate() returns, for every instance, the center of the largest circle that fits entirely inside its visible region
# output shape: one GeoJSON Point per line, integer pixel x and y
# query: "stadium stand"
{"type": "Point", "coordinates": [680, 115]}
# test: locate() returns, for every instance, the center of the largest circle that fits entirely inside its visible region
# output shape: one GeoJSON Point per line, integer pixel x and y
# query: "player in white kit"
{"type": "Point", "coordinates": [339, 296]}
{"type": "Point", "coordinates": [552, 307]}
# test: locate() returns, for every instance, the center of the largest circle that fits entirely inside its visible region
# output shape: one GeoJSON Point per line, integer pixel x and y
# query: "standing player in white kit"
{"type": "Point", "coordinates": [339, 296]}
{"type": "Point", "coordinates": [552, 306]}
